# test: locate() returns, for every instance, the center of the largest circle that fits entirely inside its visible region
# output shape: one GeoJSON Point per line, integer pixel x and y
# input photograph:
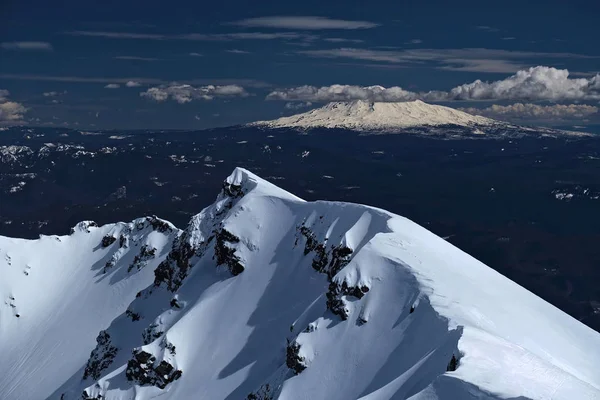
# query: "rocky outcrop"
{"type": "Point", "coordinates": [144, 370]}
{"type": "Point", "coordinates": [233, 191]}
{"type": "Point", "coordinates": [173, 270]}
{"type": "Point", "coordinates": [107, 240]}
{"type": "Point", "coordinates": [140, 260]}
{"type": "Point", "coordinates": [452, 364]}
{"type": "Point", "coordinates": [265, 392]}
{"type": "Point", "coordinates": [101, 357]}
{"type": "Point", "coordinates": [335, 293]}
{"type": "Point", "coordinates": [160, 225]}
{"type": "Point", "coordinates": [151, 333]}
{"type": "Point", "coordinates": [225, 254]}
{"type": "Point", "coordinates": [293, 360]}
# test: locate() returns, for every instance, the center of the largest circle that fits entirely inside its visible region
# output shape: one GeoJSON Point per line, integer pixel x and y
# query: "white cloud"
{"type": "Point", "coordinates": [186, 93]}
{"type": "Point", "coordinates": [237, 51]}
{"type": "Point", "coordinates": [342, 93]}
{"type": "Point", "coordinates": [415, 41]}
{"type": "Point", "coordinates": [11, 113]}
{"type": "Point", "coordinates": [297, 106]}
{"type": "Point", "coordinates": [194, 54]}
{"type": "Point", "coordinates": [44, 46]}
{"type": "Point", "coordinates": [133, 84]}
{"type": "Point", "coordinates": [303, 22]}
{"type": "Point", "coordinates": [468, 59]}
{"type": "Point", "coordinates": [112, 86]}
{"type": "Point", "coordinates": [53, 93]}
{"type": "Point", "coordinates": [538, 83]}
{"type": "Point", "coordinates": [535, 112]}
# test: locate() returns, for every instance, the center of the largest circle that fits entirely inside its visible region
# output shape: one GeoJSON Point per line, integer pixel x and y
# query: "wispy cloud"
{"type": "Point", "coordinates": [133, 84]}
{"type": "Point", "coordinates": [538, 83]}
{"type": "Point", "coordinates": [509, 38]}
{"type": "Point", "coordinates": [414, 41]}
{"type": "Point", "coordinates": [467, 59]}
{"type": "Point", "coordinates": [40, 46]}
{"type": "Point", "coordinates": [11, 112]}
{"type": "Point", "coordinates": [149, 81]}
{"type": "Point", "coordinates": [298, 105]}
{"type": "Point", "coordinates": [237, 51]}
{"type": "Point", "coordinates": [194, 36]}
{"type": "Point", "coordinates": [194, 54]}
{"type": "Point", "coordinates": [535, 112]}
{"type": "Point", "coordinates": [303, 22]}
{"type": "Point", "coordinates": [112, 86]}
{"type": "Point", "coordinates": [186, 93]}
{"type": "Point", "coordinates": [135, 58]}
{"type": "Point", "coordinates": [487, 28]}
{"type": "Point", "coordinates": [119, 35]}
{"type": "Point", "coordinates": [343, 40]}
{"type": "Point", "coordinates": [54, 93]}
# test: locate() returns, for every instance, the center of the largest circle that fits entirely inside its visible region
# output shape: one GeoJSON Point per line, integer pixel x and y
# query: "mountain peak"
{"type": "Point", "coordinates": [277, 293]}
{"type": "Point", "coordinates": [373, 116]}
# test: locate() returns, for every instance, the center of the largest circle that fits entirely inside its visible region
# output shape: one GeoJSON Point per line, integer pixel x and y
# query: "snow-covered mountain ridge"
{"type": "Point", "coordinates": [266, 296]}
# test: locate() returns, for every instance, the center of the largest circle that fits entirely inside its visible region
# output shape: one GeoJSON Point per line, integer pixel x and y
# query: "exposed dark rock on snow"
{"type": "Point", "coordinates": [159, 224]}
{"type": "Point", "coordinates": [107, 240]}
{"type": "Point", "coordinates": [144, 370]}
{"type": "Point", "coordinates": [233, 191]}
{"type": "Point", "coordinates": [335, 302]}
{"type": "Point", "coordinates": [140, 260]}
{"type": "Point", "coordinates": [101, 357]}
{"type": "Point", "coordinates": [133, 315]}
{"type": "Point", "coordinates": [174, 269]}
{"type": "Point", "coordinates": [265, 392]}
{"type": "Point", "coordinates": [225, 254]}
{"type": "Point", "coordinates": [452, 364]}
{"type": "Point", "coordinates": [293, 359]}
{"type": "Point", "coordinates": [151, 333]}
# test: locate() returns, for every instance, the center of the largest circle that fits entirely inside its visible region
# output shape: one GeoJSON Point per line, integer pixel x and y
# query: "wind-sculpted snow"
{"type": "Point", "coordinates": [266, 296]}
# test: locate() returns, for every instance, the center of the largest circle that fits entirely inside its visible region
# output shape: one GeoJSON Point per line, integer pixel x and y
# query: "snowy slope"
{"type": "Point", "coordinates": [266, 296]}
{"type": "Point", "coordinates": [365, 115]}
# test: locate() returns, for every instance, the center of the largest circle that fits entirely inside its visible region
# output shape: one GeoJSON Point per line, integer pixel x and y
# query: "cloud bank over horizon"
{"type": "Point", "coordinates": [11, 112]}
{"type": "Point", "coordinates": [186, 93]}
{"type": "Point", "coordinates": [532, 84]}
{"type": "Point", "coordinates": [536, 112]}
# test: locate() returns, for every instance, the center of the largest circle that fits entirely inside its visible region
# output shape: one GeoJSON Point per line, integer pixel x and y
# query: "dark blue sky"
{"type": "Point", "coordinates": [56, 61]}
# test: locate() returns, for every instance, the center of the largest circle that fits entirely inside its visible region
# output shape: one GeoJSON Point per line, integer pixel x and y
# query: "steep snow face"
{"type": "Point", "coordinates": [59, 292]}
{"type": "Point", "coordinates": [364, 115]}
{"type": "Point", "coordinates": [266, 296]}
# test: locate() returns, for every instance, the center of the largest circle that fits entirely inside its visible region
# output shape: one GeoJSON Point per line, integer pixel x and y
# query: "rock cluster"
{"type": "Point", "coordinates": [144, 370]}
{"type": "Point", "coordinates": [101, 357]}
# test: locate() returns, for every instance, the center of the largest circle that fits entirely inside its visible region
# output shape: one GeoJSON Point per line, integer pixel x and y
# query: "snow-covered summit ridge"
{"type": "Point", "coordinates": [365, 115]}
{"type": "Point", "coordinates": [267, 296]}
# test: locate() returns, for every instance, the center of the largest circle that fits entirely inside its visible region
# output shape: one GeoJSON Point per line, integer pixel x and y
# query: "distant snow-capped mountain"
{"type": "Point", "coordinates": [408, 117]}
{"type": "Point", "coordinates": [267, 296]}
{"type": "Point", "coordinates": [365, 115]}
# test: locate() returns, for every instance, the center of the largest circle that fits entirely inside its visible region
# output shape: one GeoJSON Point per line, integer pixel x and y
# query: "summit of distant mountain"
{"type": "Point", "coordinates": [405, 117]}
{"type": "Point", "coordinates": [365, 115]}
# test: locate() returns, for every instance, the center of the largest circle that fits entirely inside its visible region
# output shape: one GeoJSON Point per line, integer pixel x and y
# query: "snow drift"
{"type": "Point", "coordinates": [266, 296]}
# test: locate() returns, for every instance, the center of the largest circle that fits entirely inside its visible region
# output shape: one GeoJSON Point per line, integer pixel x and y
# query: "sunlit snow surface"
{"type": "Point", "coordinates": [230, 332]}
